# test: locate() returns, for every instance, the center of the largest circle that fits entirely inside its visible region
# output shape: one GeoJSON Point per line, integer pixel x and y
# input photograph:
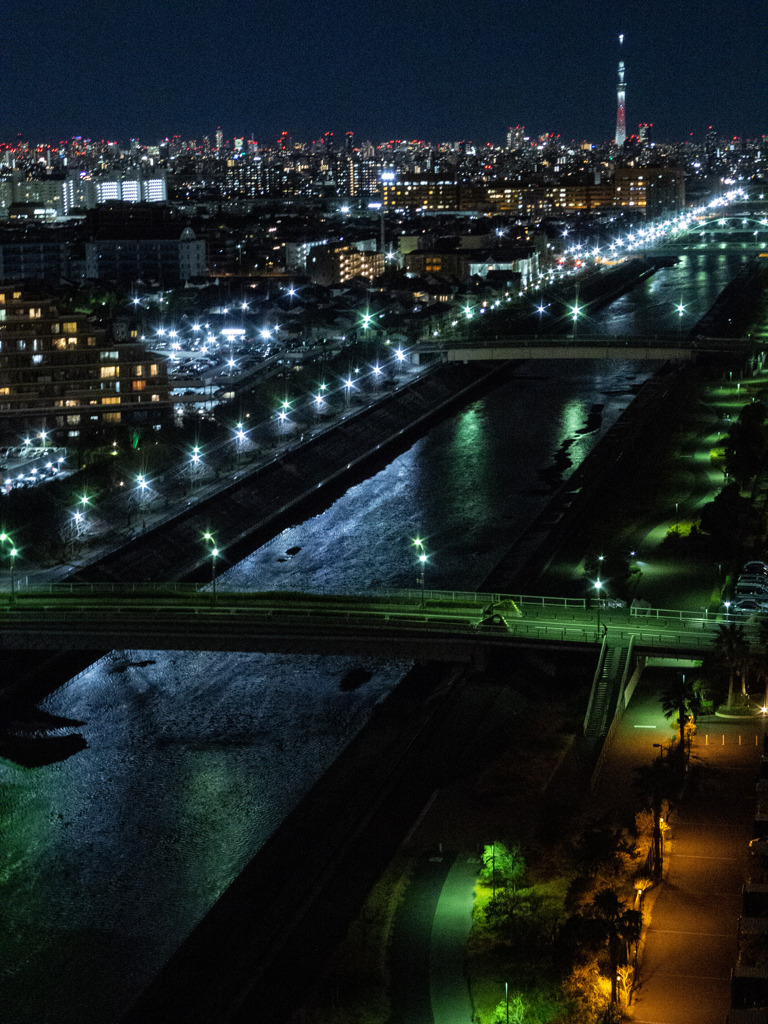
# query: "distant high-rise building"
{"type": "Point", "coordinates": [621, 121]}
{"type": "Point", "coordinates": [644, 134]}
{"type": "Point", "coordinates": [219, 138]}
{"type": "Point", "coordinates": [515, 136]}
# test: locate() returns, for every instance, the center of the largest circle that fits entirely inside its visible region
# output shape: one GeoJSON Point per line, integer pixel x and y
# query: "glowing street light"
{"type": "Point", "coordinates": [421, 558]}
{"type": "Point", "coordinates": [598, 587]}
{"type": "Point", "coordinates": [13, 552]}
{"type": "Point", "coordinates": [214, 553]}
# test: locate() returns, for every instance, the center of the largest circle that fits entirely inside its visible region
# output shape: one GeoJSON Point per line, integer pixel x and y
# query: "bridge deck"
{"type": "Point", "coordinates": [441, 625]}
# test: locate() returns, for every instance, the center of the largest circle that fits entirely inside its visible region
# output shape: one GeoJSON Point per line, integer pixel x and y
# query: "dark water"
{"type": "Point", "coordinates": [109, 858]}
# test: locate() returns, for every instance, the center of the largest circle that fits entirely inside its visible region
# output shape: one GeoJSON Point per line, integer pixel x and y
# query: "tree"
{"type": "Point", "coordinates": [621, 928]}
{"type": "Point", "coordinates": [659, 782]}
{"type": "Point", "coordinates": [602, 847]}
{"type": "Point", "coordinates": [511, 1009]}
{"type": "Point", "coordinates": [727, 518]}
{"type": "Point", "coordinates": [731, 649]}
{"type": "Point", "coordinates": [681, 699]}
{"type": "Point", "coordinates": [746, 448]}
{"type": "Point", "coordinates": [503, 867]}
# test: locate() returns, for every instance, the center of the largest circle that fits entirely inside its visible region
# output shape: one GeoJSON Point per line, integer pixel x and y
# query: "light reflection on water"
{"type": "Point", "coordinates": [110, 857]}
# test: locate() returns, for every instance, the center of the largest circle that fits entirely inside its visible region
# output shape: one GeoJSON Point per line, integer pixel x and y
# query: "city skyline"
{"type": "Point", "coordinates": [384, 69]}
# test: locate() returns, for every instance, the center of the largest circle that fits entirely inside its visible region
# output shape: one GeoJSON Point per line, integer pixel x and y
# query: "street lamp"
{"type": "Point", "coordinates": [214, 552]}
{"type": "Point", "coordinates": [598, 588]}
{"type": "Point", "coordinates": [680, 308]}
{"type": "Point", "coordinates": [421, 557]}
{"type": "Point", "coordinates": [6, 538]}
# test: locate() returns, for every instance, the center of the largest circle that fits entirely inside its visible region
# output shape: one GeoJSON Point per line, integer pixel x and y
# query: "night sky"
{"type": "Point", "coordinates": [457, 69]}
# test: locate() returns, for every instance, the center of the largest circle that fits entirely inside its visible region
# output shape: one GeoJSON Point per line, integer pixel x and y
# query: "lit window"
{"type": "Point", "coordinates": [109, 371]}
{"type": "Point", "coordinates": [139, 385]}
{"type": "Point", "coordinates": [110, 401]}
{"type": "Point", "coordinates": [70, 328]}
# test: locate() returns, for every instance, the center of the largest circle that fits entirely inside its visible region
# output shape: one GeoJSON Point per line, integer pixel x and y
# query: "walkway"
{"type": "Point", "coordinates": [429, 945]}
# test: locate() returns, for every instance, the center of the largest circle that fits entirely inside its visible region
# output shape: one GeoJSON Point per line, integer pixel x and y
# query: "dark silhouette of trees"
{"type": "Point", "coordinates": [620, 927]}
{"type": "Point", "coordinates": [681, 699]}
{"type": "Point", "coordinates": [727, 519]}
{"type": "Point", "coordinates": [746, 448]}
{"type": "Point", "coordinates": [731, 650]}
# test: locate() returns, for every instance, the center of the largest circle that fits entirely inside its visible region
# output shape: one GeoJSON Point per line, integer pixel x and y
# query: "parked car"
{"type": "Point", "coordinates": [750, 606]}
{"type": "Point", "coordinates": [760, 568]}
{"type": "Point", "coordinates": [750, 590]}
{"type": "Point", "coordinates": [761, 581]}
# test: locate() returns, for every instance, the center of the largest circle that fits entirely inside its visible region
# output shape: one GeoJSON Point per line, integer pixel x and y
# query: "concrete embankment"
{"type": "Point", "coordinates": [641, 426]}
{"type": "Point", "coordinates": [296, 483]}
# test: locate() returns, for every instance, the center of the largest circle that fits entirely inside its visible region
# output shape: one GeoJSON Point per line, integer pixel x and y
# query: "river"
{"type": "Point", "coordinates": [110, 857]}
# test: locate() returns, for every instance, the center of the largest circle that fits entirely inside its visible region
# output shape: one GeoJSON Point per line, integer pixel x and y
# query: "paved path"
{"type": "Point", "coordinates": [429, 984]}
{"type": "Point", "coordinates": [451, 926]}
{"type": "Point", "coordinates": [691, 941]}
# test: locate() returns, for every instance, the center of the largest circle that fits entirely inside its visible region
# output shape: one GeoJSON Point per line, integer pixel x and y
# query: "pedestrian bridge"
{"type": "Point", "coordinates": [455, 626]}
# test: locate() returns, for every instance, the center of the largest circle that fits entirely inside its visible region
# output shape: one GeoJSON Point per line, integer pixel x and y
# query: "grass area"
{"type": "Point", "coordinates": [355, 986]}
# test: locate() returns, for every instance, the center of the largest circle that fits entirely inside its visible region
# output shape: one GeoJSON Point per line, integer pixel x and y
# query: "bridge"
{"type": "Point", "coordinates": [408, 624]}
{"type": "Point", "coordinates": [541, 346]}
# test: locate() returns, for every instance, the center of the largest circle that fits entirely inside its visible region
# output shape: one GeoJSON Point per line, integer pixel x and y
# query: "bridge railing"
{"type": "Point", "coordinates": [33, 588]}
{"type": "Point", "coordinates": [483, 597]}
{"type": "Point", "coordinates": [415, 594]}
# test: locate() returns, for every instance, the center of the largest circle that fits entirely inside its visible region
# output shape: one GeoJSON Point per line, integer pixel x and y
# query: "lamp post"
{"type": "Point", "coordinates": [6, 538]}
{"type": "Point", "coordinates": [214, 553]}
{"type": "Point", "coordinates": [658, 839]}
{"type": "Point", "coordinates": [422, 560]}
{"type": "Point", "coordinates": [598, 588]}
{"type": "Point", "coordinates": [680, 314]}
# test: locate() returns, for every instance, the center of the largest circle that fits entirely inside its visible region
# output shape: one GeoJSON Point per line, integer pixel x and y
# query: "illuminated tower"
{"type": "Point", "coordinates": [621, 123]}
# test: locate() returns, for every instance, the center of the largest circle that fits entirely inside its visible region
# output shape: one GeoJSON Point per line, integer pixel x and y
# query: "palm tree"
{"type": "Point", "coordinates": [621, 928]}
{"type": "Point", "coordinates": [681, 699]}
{"type": "Point", "coordinates": [732, 651]}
